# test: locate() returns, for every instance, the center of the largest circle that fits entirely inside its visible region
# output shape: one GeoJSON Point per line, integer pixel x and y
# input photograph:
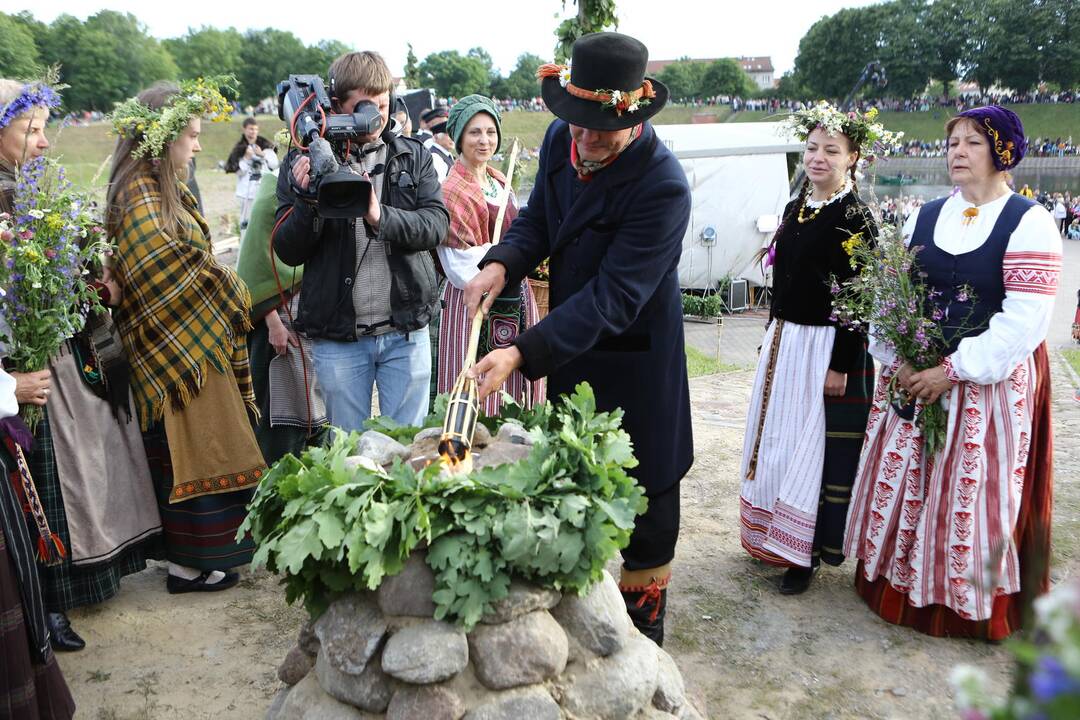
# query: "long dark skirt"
{"type": "Point", "coordinates": [30, 688]}
{"type": "Point", "coordinates": [199, 533]}
{"type": "Point", "coordinates": [274, 442]}
{"type": "Point", "coordinates": [66, 586]}
{"type": "Point", "coordinates": [845, 430]}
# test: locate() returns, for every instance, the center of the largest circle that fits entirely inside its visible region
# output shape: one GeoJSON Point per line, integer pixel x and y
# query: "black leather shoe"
{"type": "Point", "coordinates": [796, 580]}
{"type": "Point", "coordinates": [177, 585]}
{"type": "Point", "coordinates": [61, 636]}
{"type": "Point", "coordinates": [647, 609]}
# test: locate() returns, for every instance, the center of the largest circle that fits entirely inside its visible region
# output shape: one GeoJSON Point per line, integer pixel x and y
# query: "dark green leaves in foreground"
{"type": "Point", "coordinates": [554, 518]}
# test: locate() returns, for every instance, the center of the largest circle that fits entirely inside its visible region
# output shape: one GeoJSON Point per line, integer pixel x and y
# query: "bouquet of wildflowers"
{"type": "Point", "coordinates": [48, 247]}
{"type": "Point", "coordinates": [1048, 669]}
{"type": "Point", "coordinates": [888, 297]}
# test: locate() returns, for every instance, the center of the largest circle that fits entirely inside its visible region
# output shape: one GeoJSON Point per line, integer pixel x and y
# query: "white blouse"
{"type": "Point", "coordinates": [1031, 269]}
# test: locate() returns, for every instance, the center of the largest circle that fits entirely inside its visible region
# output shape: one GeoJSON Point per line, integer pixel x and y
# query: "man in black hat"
{"type": "Point", "coordinates": [610, 208]}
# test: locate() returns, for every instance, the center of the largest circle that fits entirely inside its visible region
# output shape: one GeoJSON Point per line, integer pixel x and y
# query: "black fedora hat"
{"type": "Point", "coordinates": [606, 87]}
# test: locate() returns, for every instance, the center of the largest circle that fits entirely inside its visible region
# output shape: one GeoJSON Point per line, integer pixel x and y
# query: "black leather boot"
{"type": "Point", "coordinates": [647, 607]}
{"type": "Point", "coordinates": [62, 637]}
{"type": "Point", "coordinates": [796, 580]}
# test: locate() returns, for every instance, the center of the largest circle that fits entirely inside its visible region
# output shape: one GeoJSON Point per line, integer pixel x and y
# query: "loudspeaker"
{"type": "Point", "coordinates": [737, 295]}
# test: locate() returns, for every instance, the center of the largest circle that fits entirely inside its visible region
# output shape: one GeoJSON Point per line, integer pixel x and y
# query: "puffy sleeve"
{"type": "Point", "coordinates": [1031, 270]}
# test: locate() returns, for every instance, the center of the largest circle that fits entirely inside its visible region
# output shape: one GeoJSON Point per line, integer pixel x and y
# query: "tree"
{"type": "Point", "coordinates": [522, 83]}
{"type": "Point", "coordinates": [836, 48]}
{"type": "Point", "coordinates": [454, 75]}
{"type": "Point", "coordinates": [1057, 21]}
{"type": "Point", "coordinates": [901, 49]}
{"type": "Point", "coordinates": [320, 55]}
{"type": "Point", "coordinates": [412, 69]}
{"type": "Point", "coordinates": [726, 77]}
{"type": "Point", "coordinates": [592, 16]}
{"type": "Point", "coordinates": [685, 78]}
{"type": "Point", "coordinates": [267, 57]}
{"type": "Point", "coordinates": [106, 59]}
{"type": "Point", "coordinates": [18, 53]}
{"type": "Point", "coordinates": [207, 51]}
{"type": "Point", "coordinates": [948, 54]}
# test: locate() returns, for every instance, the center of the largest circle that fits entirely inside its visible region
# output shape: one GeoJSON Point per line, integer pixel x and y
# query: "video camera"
{"type": "Point", "coordinates": [304, 105]}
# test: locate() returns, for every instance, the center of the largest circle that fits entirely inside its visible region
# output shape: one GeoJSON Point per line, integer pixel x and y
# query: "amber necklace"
{"type": "Point", "coordinates": [817, 211]}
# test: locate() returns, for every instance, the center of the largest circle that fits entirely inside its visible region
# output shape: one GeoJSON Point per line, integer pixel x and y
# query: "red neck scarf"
{"type": "Point", "coordinates": [587, 168]}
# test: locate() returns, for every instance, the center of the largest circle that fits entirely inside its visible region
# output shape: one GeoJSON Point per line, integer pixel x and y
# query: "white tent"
{"type": "Point", "coordinates": [739, 180]}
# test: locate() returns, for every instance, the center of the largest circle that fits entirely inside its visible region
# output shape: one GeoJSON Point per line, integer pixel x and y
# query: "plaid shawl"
{"type": "Point", "coordinates": [181, 310]}
{"type": "Point", "coordinates": [471, 218]}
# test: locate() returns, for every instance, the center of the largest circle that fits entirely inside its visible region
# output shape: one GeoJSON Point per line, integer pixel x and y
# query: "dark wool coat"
{"type": "Point", "coordinates": [616, 312]}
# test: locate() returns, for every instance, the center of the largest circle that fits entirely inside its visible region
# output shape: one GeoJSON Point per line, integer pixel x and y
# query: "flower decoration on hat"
{"type": "Point", "coordinates": [42, 92]}
{"type": "Point", "coordinates": [618, 100]}
{"type": "Point", "coordinates": [157, 128]}
{"type": "Point", "coordinates": [869, 136]}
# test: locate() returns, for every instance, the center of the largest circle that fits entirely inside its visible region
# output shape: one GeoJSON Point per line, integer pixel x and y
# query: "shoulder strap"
{"type": "Point", "coordinates": [1011, 215]}
{"type": "Point", "coordinates": [924, 225]}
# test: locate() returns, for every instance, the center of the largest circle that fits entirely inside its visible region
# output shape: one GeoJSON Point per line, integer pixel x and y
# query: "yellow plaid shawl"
{"type": "Point", "coordinates": [181, 309]}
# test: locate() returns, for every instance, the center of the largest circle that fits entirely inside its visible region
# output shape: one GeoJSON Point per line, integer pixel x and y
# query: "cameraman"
{"type": "Point", "coordinates": [250, 157]}
{"type": "Point", "coordinates": [369, 286]}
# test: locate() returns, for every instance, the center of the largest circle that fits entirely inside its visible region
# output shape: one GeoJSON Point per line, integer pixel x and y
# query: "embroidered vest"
{"type": "Point", "coordinates": [980, 269]}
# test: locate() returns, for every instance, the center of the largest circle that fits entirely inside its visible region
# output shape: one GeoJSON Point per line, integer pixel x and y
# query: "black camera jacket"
{"type": "Point", "coordinates": [413, 223]}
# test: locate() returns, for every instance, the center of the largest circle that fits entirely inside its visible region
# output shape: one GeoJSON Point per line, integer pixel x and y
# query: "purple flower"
{"type": "Point", "coordinates": [962, 295]}
{"type": "Point", "coordinates": [1050, 679]}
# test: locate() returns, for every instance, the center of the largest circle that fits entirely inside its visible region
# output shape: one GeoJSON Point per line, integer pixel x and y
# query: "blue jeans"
{"type": "Point", "coordinates": [398, 364]}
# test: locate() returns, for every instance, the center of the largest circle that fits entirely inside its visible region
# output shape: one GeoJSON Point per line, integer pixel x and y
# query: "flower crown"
{"type": "Point", "coordinates": [870, 137]}
{"type": "Point", "coordinates": [43, 92]}
{"type": "Point", "coordinates": [197, 98]}
{"type": "Point", "coordinates": [618, 100]}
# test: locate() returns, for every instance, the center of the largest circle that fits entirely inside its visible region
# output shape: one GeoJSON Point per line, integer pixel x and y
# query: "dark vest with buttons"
{"type": "Point", "coordinates": [980, 269]}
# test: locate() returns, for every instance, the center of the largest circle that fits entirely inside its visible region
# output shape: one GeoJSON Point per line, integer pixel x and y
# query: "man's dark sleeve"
{"type": "Point", "coordinates": [645, 248]}
{"type": "Point", "coordinates": [426, 226]}
{"type": "Point", "coordinates": [527, 242]}
{"type": "Point", "coordinates": [296, 238]}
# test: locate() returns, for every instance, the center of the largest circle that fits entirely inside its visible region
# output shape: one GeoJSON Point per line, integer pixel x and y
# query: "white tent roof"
{"type": "Point", "coordinates": [739, 183]}
{"type": "Point", "coordinates": [720, 139]}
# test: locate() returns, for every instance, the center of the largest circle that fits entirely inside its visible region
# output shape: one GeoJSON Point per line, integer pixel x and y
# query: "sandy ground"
{"type": "Point", "coordinates": [747, 652]}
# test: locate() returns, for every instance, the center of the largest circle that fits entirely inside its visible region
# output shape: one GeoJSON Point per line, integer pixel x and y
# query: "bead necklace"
{"type": "Point", "coordinates": [491, 188]}
{"type": "Point", "coordinates": [817, 211]}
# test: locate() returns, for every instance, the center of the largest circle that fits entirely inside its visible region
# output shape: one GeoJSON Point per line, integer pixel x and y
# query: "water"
{"type": "Point", "coordinates": [935, 183]}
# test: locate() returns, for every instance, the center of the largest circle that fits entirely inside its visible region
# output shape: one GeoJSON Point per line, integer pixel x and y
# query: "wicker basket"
{"type": "Point", "coordinates": [540, 292]}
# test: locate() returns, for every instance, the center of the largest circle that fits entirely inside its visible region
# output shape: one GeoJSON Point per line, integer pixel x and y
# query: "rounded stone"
{"type": "Point", "coordinates": [670, 692]}
{"type": "Point", "coordinates": [369, 690]}
{"type": "Point", "coordinates": [615, 687]}
{"type": "Point", "coordinates": [308, 701]}
{"type": "Point", "coordinates": [380, 448]}
{"type": "Point", "coordinates": [409, 592]}
{"type": "Point", "coordinates": [598, 620]}
{"type": "Point", "coordinates": [425, 653]}
{"type": "Point", "coordinates": [514, 434]}
{"type": "Point", "coordinates": [527, 650]}
{"type": "Point", "coordinates": [295, 667]}
{"type": "Point", "coordinates": [531, 705]}
{"type": "Point", "coordinates": [350, 633]}
{"type": "Point", "coordinates": [522, 598]}
{"type": "Point", "coordinates": [425, 703]}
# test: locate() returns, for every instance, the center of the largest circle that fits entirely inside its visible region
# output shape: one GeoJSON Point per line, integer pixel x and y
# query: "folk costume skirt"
{"type": "Point", "coordinates": [510, 316]}
{"type": "Point", "coordinates": [205, 464]}
{"type": "Point", "coordinates": [954, 545]}
{"type": "Point", "coordinates": [801, 449]}
{"type": "Point", "coordinates": [69, 585]}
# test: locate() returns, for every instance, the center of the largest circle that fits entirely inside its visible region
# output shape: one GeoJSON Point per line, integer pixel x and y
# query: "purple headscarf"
{"type": "Point", "coordinates": [1005, 131]}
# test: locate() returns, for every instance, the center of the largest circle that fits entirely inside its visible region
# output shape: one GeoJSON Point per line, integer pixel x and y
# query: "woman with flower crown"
{"type": "Point", "coordinates": [811, 393]}
{"type": "Point", "coordinates": [184, 320]}
{"type": "Point", "coordinates": [955, 543]}
{"type": "Point", "coordinates": [85, 449]}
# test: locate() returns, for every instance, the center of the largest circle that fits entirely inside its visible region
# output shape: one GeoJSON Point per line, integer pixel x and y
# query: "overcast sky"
{"type": "Point", "coordinates": [506, 28]}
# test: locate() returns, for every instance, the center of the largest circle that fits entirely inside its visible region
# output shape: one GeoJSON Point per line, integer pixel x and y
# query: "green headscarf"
{"type": "Point", "coordinates": [253, 263]}
{"type": "Point", "coordinates": [464, 110]}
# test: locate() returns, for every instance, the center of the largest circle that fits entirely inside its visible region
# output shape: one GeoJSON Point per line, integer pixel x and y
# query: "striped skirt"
{"type": "Point", "coordinates": [970, 549]}
{"type": "Point", "coordinates": [200, 532]}
{"type": "Point", "coordinates": [803, 449]}
{"type": "Point", "coordinates": [29, 688]}
{"type": "Point", "coordinates": [501, 328]}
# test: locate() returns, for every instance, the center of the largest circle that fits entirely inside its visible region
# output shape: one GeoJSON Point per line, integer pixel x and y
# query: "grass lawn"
{"type": "Point", "coordinates": [1073, 358]}
{"type": "Point", "coordinates": [698, 363]}
{"type": "Point", "coordinates": [1039, 120]}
